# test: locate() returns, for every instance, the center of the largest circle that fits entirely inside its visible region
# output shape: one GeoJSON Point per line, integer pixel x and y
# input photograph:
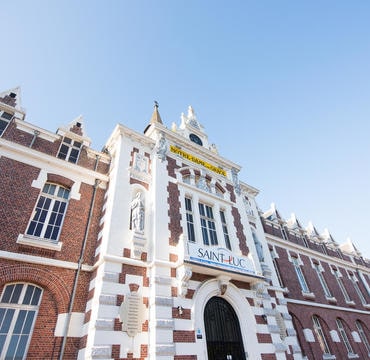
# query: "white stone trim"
{"type": "Point", "coordinates": [39, 242]}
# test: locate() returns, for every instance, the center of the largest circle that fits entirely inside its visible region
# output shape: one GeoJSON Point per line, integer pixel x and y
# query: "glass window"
{"type": "Point", "coordinates": [344, 336]}
{"type": "Point", "coordinates": [341, 285]}
{"type": "Point", "coordinates": [208, 226]}
{"type": "Point", "coordinates": [363, 335]}
{"type": "Point", "coordinates": [320, 335]}
{"type": "Point", "coordinates": [49, 212]}
{"type": "Point", "coordinates": [301, 278]}
{"type": "Point", "coordinates": [276, 267]}
{"type": "Point", "coordinates": [69, 150]}
{"type": "Point", "coordinates": [358, 291]}
{"type": "Point", "coordinates": [322, 281]}
{"type": "Point", "coordinates": [189, 219]}
{"type": "Point", "coordinates": [18, 310]}
{"type": "Point", "coordinates": [5, 118]}
{"type": "Point", "coordinates": [224, 228]}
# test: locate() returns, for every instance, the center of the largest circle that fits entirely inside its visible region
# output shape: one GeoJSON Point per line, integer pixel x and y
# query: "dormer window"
{"type": "Point", "coordinates": [69, 150]}
{"type": "Point", "coordinates": [5, 118]}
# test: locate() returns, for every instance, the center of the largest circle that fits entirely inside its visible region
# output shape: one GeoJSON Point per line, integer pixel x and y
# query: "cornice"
{"type": "Point", "coordinates": [53, 164]}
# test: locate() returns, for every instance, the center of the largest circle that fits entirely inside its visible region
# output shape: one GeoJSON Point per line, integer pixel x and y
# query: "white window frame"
{"type": "Point", "coordinates": [68, 148]}
{"type": "Point", "coordinates": [324, 285]}
{"type": "Point", "coordinates": [363, 335]}
{"type": "Point", "coordinates": [344, 336]}
{"type": "Point", "coordinates": [225, 229]}
{"type": "Point", "coordinates": [343, 289]}
{"type": "Point", "coordinates": [49, 206]}
{"type": "Point", "coordinates": [358, 290]}
{"type": "Point", "coordinates": [275, 256]}
{"type": "Point", "coordinates": [5, 120]}
{"type": "Point", "coordinates": [206, 226]}
{"type": "Point", "coordinates": [16, 314]}
{"type": "Point", "coordinates": [320, 335]}
{"type": "Point", "coordinates": [301, 279]}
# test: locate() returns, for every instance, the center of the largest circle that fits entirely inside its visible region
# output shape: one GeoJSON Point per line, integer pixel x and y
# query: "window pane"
{"type": "Point", "coordinates": [20, 322]}
{"type": "Point", "coordinates": [7, 293]}
{"type": "Point", "coordinates": [63, 152]}
{"type": "Point", "coordinates": [21, 347]}
{"type": "Point", "coordinates": [28, 295]}
{"type": "Point", "coordinates": [16, 293]}
{"type": "Point", "coordinates": [3, 125]}
{"type": "Point", "coordinates": [12, 347]}
{"type": "Point", "coordinates": [73, 156]}
{"type": "Point", "coordinates": [7, 318]}
{"type": "Point", "coordinates": [36, 296]}
{"type": "Point", "coordinates": [6, 115]}
{"type": "Point", "coordinates": [28, 322]}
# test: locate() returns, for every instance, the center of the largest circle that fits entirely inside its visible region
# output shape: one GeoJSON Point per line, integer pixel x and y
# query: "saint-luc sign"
{"type": "Point", "coordinates": [221, 258]}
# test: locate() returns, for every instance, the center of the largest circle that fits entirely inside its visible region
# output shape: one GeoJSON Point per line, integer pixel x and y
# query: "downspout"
{"type": "Point", "coordinates": [79, 267]}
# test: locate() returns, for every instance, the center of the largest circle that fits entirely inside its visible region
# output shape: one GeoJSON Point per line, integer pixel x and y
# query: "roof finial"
{"type": "Point", "coordinates": [156, 105]}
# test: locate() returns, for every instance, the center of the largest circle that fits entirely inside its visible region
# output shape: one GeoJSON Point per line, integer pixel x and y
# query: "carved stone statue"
{"type": "Point", "coordinates": [259, 248]}
{"type": "Point", "coordinates": [137, 214]}
{"type": "Point", "coordinates": [161, 147]}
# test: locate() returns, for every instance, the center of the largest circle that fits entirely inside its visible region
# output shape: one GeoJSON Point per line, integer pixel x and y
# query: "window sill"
{"type": "Point", "coordinates": [331, 300]}
{"type": "Point", "coordinates": [328, 357]}
{"type": "Point", "coordinates": [39, 242]}
{"type": "Point", "coordinates": [310, 295]}
{"type": "Point", "coordinates": [352, 356]}
{"type": "Point", "coordinates": [350, 303]}
{"type": "Point", "coordinates": [367, 306]}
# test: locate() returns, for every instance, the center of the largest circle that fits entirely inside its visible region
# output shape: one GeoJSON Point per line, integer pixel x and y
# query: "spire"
{"type": "Point", "coordinates": [156, 118]}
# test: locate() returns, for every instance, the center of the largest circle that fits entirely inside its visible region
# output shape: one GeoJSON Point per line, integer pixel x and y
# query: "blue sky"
{"type": "Point", "coordinates": [282, 87]}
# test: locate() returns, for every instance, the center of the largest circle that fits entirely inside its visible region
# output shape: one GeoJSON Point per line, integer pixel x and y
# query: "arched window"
{"type": "Point", "coordinates": [19, 304]}
{"type": "Point", "coordinates": [362, 332]}
{"type": "Point", "coordinates": [344, 336]}
{"type": "Point", "coordinates": [320, 335]}
{"type": "Point", "coordinates": [49, 212]}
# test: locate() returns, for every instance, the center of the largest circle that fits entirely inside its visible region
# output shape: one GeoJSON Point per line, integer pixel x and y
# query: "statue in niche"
{"type": "Point", "coordinates": [234, 175]}
{"type": "Point", "coordinates": [161, 147]}
{"type": "Point", "coordinates": [137, 214]}
{"type": "Point", "coordinates": [259, 248]}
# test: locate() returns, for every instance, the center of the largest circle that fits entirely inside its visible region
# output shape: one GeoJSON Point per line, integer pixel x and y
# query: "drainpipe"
{"type": "Point", "coordinates": [79, 267]}
{"type": "Point", "coordinates": [36, 133]}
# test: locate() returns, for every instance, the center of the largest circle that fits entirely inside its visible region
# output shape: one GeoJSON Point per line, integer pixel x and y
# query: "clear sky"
{"type": "Point", "coordinates": [281, 87]}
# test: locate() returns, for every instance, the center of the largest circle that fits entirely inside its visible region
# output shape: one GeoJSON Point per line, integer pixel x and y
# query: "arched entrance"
{"type": "Point", "coordinates": [224, 339]}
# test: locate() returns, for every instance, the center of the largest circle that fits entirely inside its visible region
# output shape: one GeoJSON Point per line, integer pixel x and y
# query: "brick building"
{"type": "Point", "coordinates": [155, 249]}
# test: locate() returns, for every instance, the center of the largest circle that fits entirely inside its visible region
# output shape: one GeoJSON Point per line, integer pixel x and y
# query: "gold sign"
{"type": "Point", "coordinates": [196, 160]}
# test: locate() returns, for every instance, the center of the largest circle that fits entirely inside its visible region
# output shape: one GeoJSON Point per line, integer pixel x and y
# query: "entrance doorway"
{"type": "Point", "coordinates": [224, 339]}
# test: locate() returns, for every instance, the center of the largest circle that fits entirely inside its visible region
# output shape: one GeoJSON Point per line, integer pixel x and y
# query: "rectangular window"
{"type": "Point", "coordinates": [301, 278]}
{"type": "Point", "coordinates": [49, 212]}
{"type": "Point", "coordinates": [69, 150]}
{"type": "Point", "coordinates": [344, 336]}
{"type": "Point", "coordinates": [189, 219]}
{"type": "Point", "coordinates": [276, 267]}
{"type": "Point", "coordinates": [18, 310]}
{"type": "Point", "coordinates": [224, 228]}
{"type": "Point", "coordinates": [358, 291]}
{"type": "Point", "coordinates": [341, 285]}
{"type": "Point", "coordinates": [5, 118]}
{"type": "Point", "coordinates": [322, 281]}
{"type": "Point", "coordinates": [208, 226]}
{"type": "Point", "coordinates": [320, 335]}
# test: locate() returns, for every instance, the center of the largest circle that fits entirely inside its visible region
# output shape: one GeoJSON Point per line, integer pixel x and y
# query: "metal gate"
{"type": "Point", "coordinates": [224, 339]}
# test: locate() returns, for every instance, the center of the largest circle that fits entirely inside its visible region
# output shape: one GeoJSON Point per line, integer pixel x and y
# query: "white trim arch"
{"type": "Point", "coordinates": [241, 307]}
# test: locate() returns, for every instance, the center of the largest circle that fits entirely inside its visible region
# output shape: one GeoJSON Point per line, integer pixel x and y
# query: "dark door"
{"type": "Point", "coordinates": [224, 339]}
